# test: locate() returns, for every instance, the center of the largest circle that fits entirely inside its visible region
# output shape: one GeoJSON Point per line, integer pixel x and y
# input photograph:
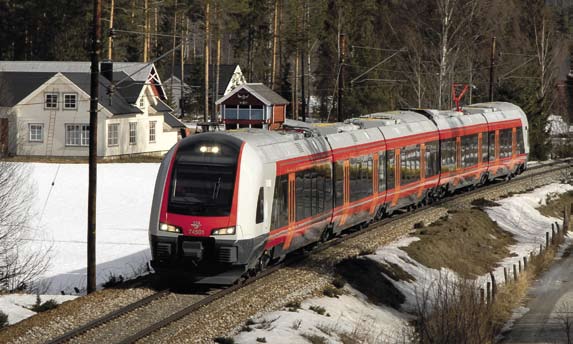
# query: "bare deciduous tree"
{"type": "Point", "coordinates": [19, 263]}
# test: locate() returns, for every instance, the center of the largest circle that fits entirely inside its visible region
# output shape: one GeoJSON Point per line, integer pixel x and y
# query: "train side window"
{"type": "Point", "coordinates": [381, 171]}
{"type": "Point", "coordinates": [327, 173]}
{"type": "Point", "coordinates": [409, 164]}
{"type": "Point", "coordinates": [491, 142]}
{"type": "Point", "coordinates": [260, 206]}
{"type": "Point", "coordinates": [519, 139]}
{"type": "Point", "coordinates": [390, 169]}
{"type": "Point", "coordinates": [448, 149]}
{"type": "Point", "coordinates": [431, 158]}
{"type": "Point", "coordinates": [339, 183]}
{"type": "Point", "coordinates": [299, 194]}
{"type": "Point", "coordinates": [505, 143]}
{"type": "Point", "coordinates": [279, 216]}
{"type": "Point", "coordinates": [484, 147]}
{"type": "Point", "coordinates": [469, 150]}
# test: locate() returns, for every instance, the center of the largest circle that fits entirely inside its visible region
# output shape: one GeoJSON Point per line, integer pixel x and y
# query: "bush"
{"type": "Point", "coordinates": [224, 340]}
{"type": "Point", "coordinates": [112, 281]}
{"type": "Point", "coordinates": [40, 307]}
{"type": "Point", "coordinates": [293, 306]}
{"type": "Point", "coordinates": [339, 282]}
{"type": "Point", "coordinates": [315, 339]}
{"type": "Point", "coordinates": [332, 292]}
{"type": "Point", "coordinates": [3, 320]}
{"type": "Point", "coordinates": [318, 309]}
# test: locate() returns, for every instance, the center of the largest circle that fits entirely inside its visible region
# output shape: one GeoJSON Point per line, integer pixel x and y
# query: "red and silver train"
{"type": "Point", "coordinates": [228, 203]}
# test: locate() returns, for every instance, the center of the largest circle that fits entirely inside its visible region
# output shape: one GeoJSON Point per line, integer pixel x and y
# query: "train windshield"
{"type": "Point", "coordinates": [203, 178]}
{"type": "Point", "coordinates": [202, 190]}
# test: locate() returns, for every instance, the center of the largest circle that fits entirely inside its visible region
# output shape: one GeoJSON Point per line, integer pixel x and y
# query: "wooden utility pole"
{"type": "Point", "coordinates": [110, 37]}
{"type": "Point", "coordinates": [275, 39]}
{"type": "Point", "coordinates": [491, 68]}
{"type": "Point", "coordinates": [182, 65]}
{"type": "Point", "coordinates": [146, 36]}
{"type": "Point", "coordinates": [92, 187]}
{"type": "Point", "coordinates": [303, 46]}
{"type": "Point", "coordinates": [206, 57]}
{"type": "Point", "coordinates": [173, 55]}
{"type": "Point", "coordinates": [218, 59]}
{"type": "Point", "coordinates": [341, 56]}
{"type": "Point", "coordinates": [295, 87]}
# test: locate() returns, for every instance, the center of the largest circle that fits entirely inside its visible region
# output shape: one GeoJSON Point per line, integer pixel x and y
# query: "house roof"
{"type": "Point", "coordinates": [138, 71]}
{"type": "Point", "coordinates": [161, 107]}
{"type": "Point", "coordinates": [194, 75]}
{"type": "Point", "coordinates": [115, 103]}
{"type": "Point", "coordinates": [172, 121]}
{"type": "Point", "coordinates": [265, 94]}
{"type": "Point", "coordinates": [15, 86]}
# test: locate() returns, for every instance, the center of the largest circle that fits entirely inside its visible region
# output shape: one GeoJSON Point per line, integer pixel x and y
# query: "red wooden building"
{"type": "Point", "coordinates": [252, 106]}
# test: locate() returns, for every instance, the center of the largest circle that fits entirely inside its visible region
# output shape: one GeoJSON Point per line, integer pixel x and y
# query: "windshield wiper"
{"type": "Point", "coordinates": [216, 189]}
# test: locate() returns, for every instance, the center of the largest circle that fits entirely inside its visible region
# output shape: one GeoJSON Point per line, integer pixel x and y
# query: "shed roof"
{"type": "Point", "coordinates": [259, 90]}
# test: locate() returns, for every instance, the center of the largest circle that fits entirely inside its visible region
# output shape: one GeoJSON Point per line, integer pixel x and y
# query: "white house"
{"type": "Point", "coordinates": [47, 114]}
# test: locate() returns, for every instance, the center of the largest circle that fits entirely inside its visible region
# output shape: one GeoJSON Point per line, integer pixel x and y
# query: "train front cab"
{"type": "Point", "coordinates": [207, 222]}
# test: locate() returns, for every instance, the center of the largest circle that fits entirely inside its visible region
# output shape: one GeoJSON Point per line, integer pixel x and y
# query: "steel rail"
{"type": "Point", "coordinates": [108, 317]}
{"type": "Point", "coordinates": [292, 259]}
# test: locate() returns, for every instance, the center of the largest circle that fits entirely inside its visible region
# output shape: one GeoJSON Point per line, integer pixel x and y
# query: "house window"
{"type": "Point", "coordinates": [70, 101]}
{"type": "Point", "coordinates": [36, 132]}
{"type": "Point", "coordinates": [77, 134]}
{"type": "Point", "coordinates": [51, 100]}
{"type": "Point", "coordinates": [142, 102]}
{"type": "Point", "coordinates": [132, 133]}
{"type": "Point", "coordinates": [113, 134]}
{"type": "Point", "coordinates": [152, 131]}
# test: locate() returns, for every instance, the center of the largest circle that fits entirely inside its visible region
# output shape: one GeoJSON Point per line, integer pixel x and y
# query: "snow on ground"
{"type": "Point", "coordinates": [519, 216]}
{"type": "Point", "coordinates": [353, 313]}
{"type": "Point", "coordinates": [18, 306]}
{"type": "Point", "coordinates": [124, 194]}
{"type": "Point", "coordinates": [350, 314]}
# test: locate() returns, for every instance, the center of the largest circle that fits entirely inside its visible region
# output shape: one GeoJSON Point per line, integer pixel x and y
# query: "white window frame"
{"type": "Point", "coordinates": [50, 105]}
{"type": "Point", "coordinates": [81, 136]}
{"type": "Point", "coordinates": [133, 130]}
{"type": "Point", "coordinates": [142, 102]}
{"type": "Point", "coordinates": [113, 140]}
{"type": "Point", "coordinates": [75, 103]}
{"type": "Point", "coordinates": [152, 131]}
{"type": "Point", "coordinates": [33, 137]}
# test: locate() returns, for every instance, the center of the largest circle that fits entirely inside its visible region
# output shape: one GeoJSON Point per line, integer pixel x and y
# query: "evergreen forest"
{"type": "Point", "coordinates": [372, 55]}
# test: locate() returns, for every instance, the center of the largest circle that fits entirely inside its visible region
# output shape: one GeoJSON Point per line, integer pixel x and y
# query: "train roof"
{"type": "Point", "coordinates": [302, 138]}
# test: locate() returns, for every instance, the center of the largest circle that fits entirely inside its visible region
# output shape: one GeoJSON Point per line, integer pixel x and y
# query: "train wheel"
{"type": "Point", "coordinates": [326, 234]}
{"type": "Point", "coordinates": [263, 261]}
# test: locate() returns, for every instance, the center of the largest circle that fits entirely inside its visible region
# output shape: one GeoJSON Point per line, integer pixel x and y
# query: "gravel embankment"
{"type": "Point", "coordinates": [69, 315]}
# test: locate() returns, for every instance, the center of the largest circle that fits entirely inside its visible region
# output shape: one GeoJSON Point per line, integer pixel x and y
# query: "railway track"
{"type": "Point", "coordinates": [168, 307]}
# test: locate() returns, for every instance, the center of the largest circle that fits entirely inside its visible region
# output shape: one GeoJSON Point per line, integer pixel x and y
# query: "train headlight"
{"type": "Point", "coordinates": [210, 149]}
{"type": "Point", "coordinates": [224, 231]}
{"type": "Point", "coordinates": [169, 228]}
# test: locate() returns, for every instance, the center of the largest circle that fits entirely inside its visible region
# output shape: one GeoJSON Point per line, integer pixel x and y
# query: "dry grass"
{"type": "Point", "coordinates": [555, 206]}
{"type": "Point", "coordinates": [468, 242]}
